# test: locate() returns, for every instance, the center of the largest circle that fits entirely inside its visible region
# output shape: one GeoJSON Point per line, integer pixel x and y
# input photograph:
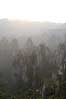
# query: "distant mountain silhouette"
{"type": "Point", "coordinates": [38, 31]}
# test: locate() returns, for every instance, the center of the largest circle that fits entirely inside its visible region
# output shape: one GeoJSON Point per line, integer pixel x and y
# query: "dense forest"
{"type": "Point", "coordinates": [32, 65]}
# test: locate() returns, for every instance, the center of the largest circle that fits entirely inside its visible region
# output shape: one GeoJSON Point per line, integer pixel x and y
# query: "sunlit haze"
{"type": "Point", "coordinates": [34, 10]}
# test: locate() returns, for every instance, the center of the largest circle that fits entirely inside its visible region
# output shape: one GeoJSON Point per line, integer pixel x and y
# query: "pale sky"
{"type": "Point", "coordinates": [34, 10]}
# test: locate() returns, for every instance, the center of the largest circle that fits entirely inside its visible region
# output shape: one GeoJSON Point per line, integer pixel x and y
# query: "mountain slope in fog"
{"type": "Point", "coordinates": [50, 33]}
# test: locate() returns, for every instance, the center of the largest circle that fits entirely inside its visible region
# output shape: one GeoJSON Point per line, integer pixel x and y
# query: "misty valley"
{"type": "Point", "coordinates": [32, 60]}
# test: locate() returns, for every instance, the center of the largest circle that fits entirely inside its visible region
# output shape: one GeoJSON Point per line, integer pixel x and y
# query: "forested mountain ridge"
{"type": "Point", "coordinates": [32, 60]}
